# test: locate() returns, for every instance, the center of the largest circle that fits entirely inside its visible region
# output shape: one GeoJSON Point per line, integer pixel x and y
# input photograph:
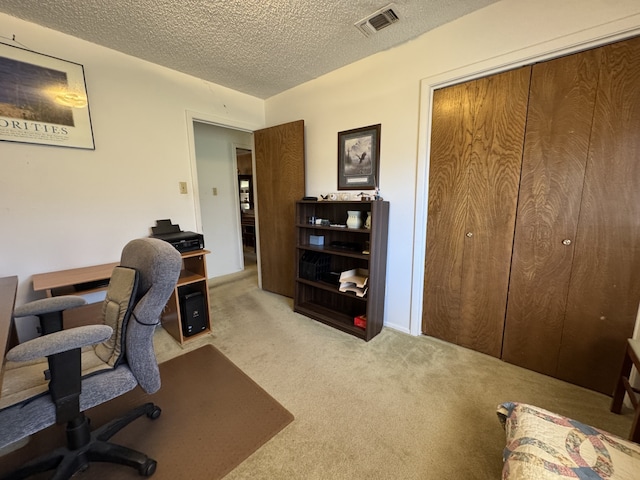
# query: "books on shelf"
{"type": "Point", "coordinates": [355, 281]}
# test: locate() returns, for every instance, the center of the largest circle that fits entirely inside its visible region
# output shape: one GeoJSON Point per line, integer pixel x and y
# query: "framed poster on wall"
{"type": "Point", "coordinates": [359, 158]}
{"type": "Point", "coordinates": [43, 100]}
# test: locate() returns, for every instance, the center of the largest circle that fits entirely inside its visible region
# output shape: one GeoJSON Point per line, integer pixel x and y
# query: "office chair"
{"type": "Point", "coordinates": [115, 357]}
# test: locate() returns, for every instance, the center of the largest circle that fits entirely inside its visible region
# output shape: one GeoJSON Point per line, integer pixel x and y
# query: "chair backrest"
{"type": "Point", "coordinates": [158, 265]}
{"type": "Point", "coordinates": [116, 311]}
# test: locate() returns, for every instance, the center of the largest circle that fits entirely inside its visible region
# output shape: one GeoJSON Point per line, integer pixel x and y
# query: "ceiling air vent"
{"type": "Point", "coordinates": [377, 20]}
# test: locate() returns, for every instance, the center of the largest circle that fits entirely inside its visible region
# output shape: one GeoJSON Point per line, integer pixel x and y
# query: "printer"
{"type": "Point", "coordinates": [182, 241]}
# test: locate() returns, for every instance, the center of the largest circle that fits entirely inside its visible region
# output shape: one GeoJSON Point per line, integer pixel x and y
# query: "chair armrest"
{"type": "Point", "coordinates": [58, 342]}
{"type": "Point", "coordinates": [48, 305]}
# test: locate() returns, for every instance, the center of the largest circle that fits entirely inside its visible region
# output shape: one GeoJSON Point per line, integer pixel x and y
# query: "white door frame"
{"type": "Point", "coordinates": [191, 117]}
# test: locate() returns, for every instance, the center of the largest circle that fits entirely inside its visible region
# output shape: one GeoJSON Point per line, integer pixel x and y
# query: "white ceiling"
{"type": "Point", "coordinates": [259, 47]}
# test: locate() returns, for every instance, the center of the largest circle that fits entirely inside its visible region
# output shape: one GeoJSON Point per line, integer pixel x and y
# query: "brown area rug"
{"type": "Point", "coordinates": [213, 418]}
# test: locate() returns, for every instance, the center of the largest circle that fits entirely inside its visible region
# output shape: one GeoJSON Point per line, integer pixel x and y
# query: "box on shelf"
{"type": "Point", "coordinates": [332, 278]}
{"type": "Point", "coordinates": [360, 321]}
{"type": "Point", "coordinates": [313, 265]}
{"type": "Point", "coordinates": [316, 239]}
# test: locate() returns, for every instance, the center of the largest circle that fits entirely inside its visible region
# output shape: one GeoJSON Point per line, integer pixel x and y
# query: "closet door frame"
{"type": "Point", "coordinates": [583, 40]}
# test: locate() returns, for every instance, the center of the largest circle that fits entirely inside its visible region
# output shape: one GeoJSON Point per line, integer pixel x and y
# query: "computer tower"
{"type": "Point", "coordinates": [192, 311]}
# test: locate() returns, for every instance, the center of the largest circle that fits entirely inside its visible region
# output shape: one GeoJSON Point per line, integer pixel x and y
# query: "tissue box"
{"type": "Point", "coordinates": [316, 239]}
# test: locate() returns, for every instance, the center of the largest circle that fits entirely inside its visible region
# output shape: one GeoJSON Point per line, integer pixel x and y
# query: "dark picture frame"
{"type": "Point", "coordinates": [359, 158]}
{"type": "Point", "coordinates": [43, 100]}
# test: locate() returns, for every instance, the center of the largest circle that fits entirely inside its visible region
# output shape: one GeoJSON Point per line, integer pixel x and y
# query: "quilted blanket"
{"type": "Point", "coordinates": [542, 445]}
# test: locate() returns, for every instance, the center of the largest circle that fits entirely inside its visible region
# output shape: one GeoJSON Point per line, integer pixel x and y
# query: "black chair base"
{"type": "Point", "coordinates": [84, 447]}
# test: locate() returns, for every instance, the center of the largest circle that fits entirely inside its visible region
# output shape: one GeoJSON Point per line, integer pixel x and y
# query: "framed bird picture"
{"type": "Point", "coordinates": [359, 158]}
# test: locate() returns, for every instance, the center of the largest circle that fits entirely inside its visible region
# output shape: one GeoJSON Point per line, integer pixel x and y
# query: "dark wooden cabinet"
{"type": "Point", "coordinates": [572, 291]}
{"type": "Point", "coordinates": [318, 267]}
{"type": "Point", "coordinates": [245, 190]}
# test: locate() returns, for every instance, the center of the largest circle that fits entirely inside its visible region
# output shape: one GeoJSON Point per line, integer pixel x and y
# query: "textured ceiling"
{"type": "Point", "coordinates": [259, 47]}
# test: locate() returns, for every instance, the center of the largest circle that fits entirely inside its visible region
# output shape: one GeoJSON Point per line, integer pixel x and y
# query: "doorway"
{"type": "Point", "coordinates": [244, 160]}
{"type": "Point", "coordinates": [278, 153]}
{"type": "Point", "coordinates": [218, 192]}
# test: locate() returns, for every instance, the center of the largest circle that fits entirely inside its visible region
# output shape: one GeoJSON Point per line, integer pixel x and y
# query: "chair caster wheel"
{"type": "Point", "coordinates": [155, 413]}
{"type": "Point", "coordinates": [149, 468]}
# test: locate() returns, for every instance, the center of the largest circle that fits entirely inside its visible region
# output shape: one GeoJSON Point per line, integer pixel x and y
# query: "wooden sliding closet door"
{"type": "Point", "coordinates": [476, 155]}
{"type": "Point", "coordinates": [605, 281]}
{"type": "Point", "coordinates": [575, 282]}
{"type": "Point", "coordinates": [561, 103]}
{"type": "Point", "coordinates": [447, 210]}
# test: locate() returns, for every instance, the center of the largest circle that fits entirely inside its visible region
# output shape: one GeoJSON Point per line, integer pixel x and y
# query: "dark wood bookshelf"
{"type": "Point", "coordinates": [318, 267]}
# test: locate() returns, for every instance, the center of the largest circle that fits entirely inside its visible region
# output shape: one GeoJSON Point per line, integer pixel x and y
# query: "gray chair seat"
{"type": "Point", "coordinates": [38, 413]}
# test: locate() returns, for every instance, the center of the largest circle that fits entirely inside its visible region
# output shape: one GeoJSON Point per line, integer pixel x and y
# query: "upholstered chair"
{"type": "Point", "coordinates": [56, 377]}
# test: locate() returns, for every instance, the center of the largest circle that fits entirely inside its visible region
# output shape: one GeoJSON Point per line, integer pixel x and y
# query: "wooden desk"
{"type": "Point", "coordinates": [8, 337]}
{"type": "Point", "coordinates": [77, 281]}
{"type": "Point", "coordinates": [81, 281]}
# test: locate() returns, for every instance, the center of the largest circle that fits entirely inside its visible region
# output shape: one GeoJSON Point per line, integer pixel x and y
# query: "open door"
{"type": "Point", "coordinates": [279, 183]}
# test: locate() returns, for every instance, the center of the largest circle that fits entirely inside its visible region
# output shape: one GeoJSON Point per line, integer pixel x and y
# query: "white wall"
{"type": "Point", "coordinates": [64, 208]}
{"type": "Point", "coordinates": [220, 214]}
{"type": "Point", "coordinates": [386, 88]}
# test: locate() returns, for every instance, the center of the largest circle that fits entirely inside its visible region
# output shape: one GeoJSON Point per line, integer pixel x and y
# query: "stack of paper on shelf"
{"type": "Point", "coordinates": [355, 281]}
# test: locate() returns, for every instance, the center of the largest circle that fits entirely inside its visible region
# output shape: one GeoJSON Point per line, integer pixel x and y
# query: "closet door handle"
{"type": "Point", "coordinates": [469, 234]}
{"type": "Point", "coordinates": [566, 241]}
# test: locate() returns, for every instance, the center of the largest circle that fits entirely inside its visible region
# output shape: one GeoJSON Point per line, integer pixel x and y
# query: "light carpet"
{"type": "Point", "coordinates": [397, 407]}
